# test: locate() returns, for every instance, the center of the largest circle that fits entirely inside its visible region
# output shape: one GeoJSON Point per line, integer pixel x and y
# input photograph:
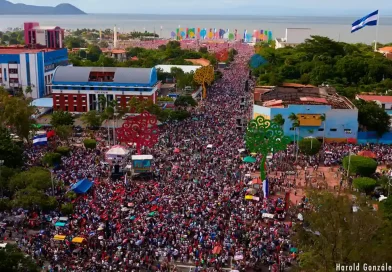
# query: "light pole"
{"type": "Point", "coordinates": [51, 179]}
{"type": "Point", "coordinates": [349, 162]}
{"type": "Point", "coordinates": [1, 165]}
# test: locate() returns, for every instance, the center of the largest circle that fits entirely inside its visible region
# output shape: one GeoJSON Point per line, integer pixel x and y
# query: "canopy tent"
{"type": "Point", "coordinates": [78, 240]}
{"type": "Point", "coordinates": [82, 186]}
{"type": "Point", "coordinates": [60, 224]}
{"type": "Point", "coordinates": [59, 237]}
{"type": "Point", "coordinates": [249, 159]}
{"type": "Point", "coordinates": [117, 152]}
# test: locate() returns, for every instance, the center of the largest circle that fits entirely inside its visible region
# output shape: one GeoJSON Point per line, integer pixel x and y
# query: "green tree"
{"type": "Point", "coordinates": [63, 150]}
{"type": "Point", "coordinates": [63, 132]}
{"type": "Point", "coordinates": [309, 146]}
{"type": "Point", "coordinates": [10, 152]}
{"type": "Point", "coordinates": [51, 159]}
{"type": "Point", "coordinates": [16, 112]}
{"type": "Point", "coordinates": [365, 185]}
{"type": "Point", "coordinates": [36, 177]}
{"type": "Point", "coordinates": [358, 165]}
{"type": "Point", "coordinates": [62, 118]}
{"type": "Point", "coordinates": [74, 42]}
{"type": "Point", "coordinates": [185, 100]}
{"type": "Point", "coordinates": [93, 52]}
{"type": "Point", "coordinates": [332, 233]}
{"type": "Point", "coordinates": [31, 198]}
{"type": "Point", "coordinates": [67, 209]}
{"type": "Point", "coordinates": [14, 260]}
{"type": "Point", "coordinates": [90, 143]}
{"type": "Point", "coordinates": [279, 120]}
{"type": "Point", "coordinates": [91, 119]}
{"type": "Point", "coordinates": [371, 117]}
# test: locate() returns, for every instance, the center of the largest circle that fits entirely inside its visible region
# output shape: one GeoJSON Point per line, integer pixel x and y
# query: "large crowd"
{"type": "Point", "coordinates": [192, 213]}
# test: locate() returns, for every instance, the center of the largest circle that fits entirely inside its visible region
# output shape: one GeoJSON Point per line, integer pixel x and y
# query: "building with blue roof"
{"type": "Point", "coordinates": [78, 89]}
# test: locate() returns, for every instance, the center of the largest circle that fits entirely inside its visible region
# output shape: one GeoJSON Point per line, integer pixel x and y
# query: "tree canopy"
{"type": "Point", "coordinates": [10, 152]}
{"type": "Point", "coordinates": [332, 233]}
{"type": "Point", "coordinates": [185, 100]}
{"type": "Point", "coordinates": [372, 117]}
{"type": "Point", "coordinates": [309, 146]}
{"type": "Point", "coordinates": [351, 68]}
{"type": "Point", "coordinates": [359, 165]}
{"type": "Point", "coordinates": [14, 260]}
{"type": "Point", "coordinates": [61, 118]}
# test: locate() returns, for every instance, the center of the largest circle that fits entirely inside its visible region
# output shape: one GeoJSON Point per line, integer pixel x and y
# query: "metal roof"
{"type": "Point", "coordinates": [71, 74]}
{"type": "Point", "coordinates": [121, 75]}
{"type": "Point", "coordinates": [132, 75]}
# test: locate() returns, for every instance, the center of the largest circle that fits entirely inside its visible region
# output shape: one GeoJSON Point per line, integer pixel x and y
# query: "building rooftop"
{"type": "Point", "coordinates": [387, 49]}
{"type": "Point", "coordinates": [380, 98]}
{"type": "Point", "coordinates": [185, 68]}
{"type": "Point", "coordinates": [20, 50]}
{"type": "Point", "coordinates": [297, 94]}
{"type": "Point", "coordinates": [72, 75]}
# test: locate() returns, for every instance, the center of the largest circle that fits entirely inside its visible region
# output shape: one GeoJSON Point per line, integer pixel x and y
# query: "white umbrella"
{"type": "Point", "coordinates": [125, 209]}
{"type": "Point", "coordinates": [300, 217]}
{"type": "Point", "coordinates": [100, 238]}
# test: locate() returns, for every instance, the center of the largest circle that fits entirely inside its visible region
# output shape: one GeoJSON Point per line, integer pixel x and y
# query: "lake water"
{"type": "Point", "coordinates": [337, 28]}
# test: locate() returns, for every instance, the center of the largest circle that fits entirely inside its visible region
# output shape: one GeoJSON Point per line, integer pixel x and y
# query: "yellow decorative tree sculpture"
{"type": "Point", "coordinates": [203, 76]}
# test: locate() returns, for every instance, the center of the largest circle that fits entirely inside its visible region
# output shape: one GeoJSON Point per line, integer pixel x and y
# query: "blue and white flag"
{"type": "Point", "coordinates": [40, 139]}
{"type": "Point", "coordinates": [266, 188]}
{"type": "Point", "coordinates": [369, 20]}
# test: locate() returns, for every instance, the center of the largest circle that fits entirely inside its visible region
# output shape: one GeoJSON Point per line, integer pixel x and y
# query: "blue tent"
{"type": "Point", "coordinates": [82, 186]}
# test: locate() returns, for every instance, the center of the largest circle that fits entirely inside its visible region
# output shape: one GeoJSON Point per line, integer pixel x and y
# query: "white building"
{"type": "Point", "coordinates": [185, 68]}
{"type": "Point", "coordinates": [294, 36]}
{"type": "Point", "coordinates": [22, 67]}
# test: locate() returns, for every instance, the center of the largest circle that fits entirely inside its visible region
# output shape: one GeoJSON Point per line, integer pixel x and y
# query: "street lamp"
{"type": "Point", "coordinates": [1, 164]}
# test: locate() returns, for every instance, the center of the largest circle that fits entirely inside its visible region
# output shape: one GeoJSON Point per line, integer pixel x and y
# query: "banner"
{"type": "Point", "coordinates": [141, 166]}
{"type": "Point", "coordinates": [221, 34]}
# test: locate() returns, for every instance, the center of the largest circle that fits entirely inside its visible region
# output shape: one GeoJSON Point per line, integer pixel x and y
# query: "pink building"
{"type": "Point", "coordinates": [47, 37]}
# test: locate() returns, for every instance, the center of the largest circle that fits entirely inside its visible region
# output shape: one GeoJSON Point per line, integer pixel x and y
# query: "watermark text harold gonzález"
{"type": "Point", "coordinates": [363, 267]}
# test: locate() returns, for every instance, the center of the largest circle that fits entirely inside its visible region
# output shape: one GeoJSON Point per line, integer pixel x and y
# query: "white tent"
{"type": "Point", "coordinates": [117, 150]}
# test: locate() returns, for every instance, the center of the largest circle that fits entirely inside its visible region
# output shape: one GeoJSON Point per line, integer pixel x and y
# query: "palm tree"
{"type": "Point", "coordinates": [102, 101]}
{"type": "Point", "coordinates": [279, 120]}
{"type": "Point", "coordinates": [323, 119]}
{"type": "Point", "coordinates": [294, 119]}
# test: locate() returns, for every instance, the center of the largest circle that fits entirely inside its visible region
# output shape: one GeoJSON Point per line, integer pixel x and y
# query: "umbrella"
{"type": "Point", "coordinates": [300, 217]}
{"type": "Point", "coordinates": [130, 204]}
{"type": "Point", "coordinates": [195, 119]}
{"type": "Point", "coordinates": [249, 159]}
{"type": "Point", "coordinates": [125, 209]}
{"type": "Point", "coordinates": [176, 150]}
{"type": "Point", "coordinates": [293, 250]}
{"type": "Point", "coordinates": [253, 154]}
{"type": "Point", "coordinates": [100, 238]}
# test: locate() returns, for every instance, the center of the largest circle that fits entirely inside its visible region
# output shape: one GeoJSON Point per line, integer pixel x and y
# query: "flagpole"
{"type": "Point", "coordinates": [378, 23]}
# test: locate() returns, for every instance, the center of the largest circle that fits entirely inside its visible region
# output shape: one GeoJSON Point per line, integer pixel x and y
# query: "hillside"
{"type": "Point", "coordinates": [8, 8]}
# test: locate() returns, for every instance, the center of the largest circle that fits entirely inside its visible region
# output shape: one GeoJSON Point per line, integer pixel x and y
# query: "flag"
{"type": "Point", "coordinates": [40, 139]}
{"type": "Point", "coordinates": [265, 188]}
{"type": "Point", "coordinates": [369, 20]}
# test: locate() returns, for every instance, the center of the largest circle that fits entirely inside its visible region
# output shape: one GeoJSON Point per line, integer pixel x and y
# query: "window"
{"type": "Point", "coordinates": [333, 129]}
{"type": "Point", "coordinates": [84, 108]}
{"type": "Point", "coordinates": [291, 128]}
{"type": "Point", "coordinates": [347, 131]}
{"type": "Point", "coordinates": [13, 71]}
{"type": "Point", "coordinates": [66, 108]}
{"type": "Point", "coordinates": [75, 108]}
{"type": "Point", "coordinates": [320, 129]}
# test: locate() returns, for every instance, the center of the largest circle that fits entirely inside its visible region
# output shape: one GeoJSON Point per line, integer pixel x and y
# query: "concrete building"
{"type": "Point", "coordinates": [186, 68]}
{"type": "Point", "coordinates": [37, 36]}
{"type": "Point", "coordinates": [77, 89]}
{"type": "Point", "coordinates": [383, 101]}
{"type": "Point", "coordinates": [294, 37]}
{"type": "Point", "coordinates": [33, 65]}
{"type": "Point", "coordinates": [309, 103]}
{"type": "Point", "coordinates": [22, 67]}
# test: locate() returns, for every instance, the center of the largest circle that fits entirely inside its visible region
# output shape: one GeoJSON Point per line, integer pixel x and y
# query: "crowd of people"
{"type": "Point", "coordinates": [191, 214]}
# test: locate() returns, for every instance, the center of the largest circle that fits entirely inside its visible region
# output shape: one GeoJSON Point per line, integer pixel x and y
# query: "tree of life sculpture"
{"type": "Point", "coordinates": [141, 130]}
{"type": "Point", "coordinates": [264, 136]}
{"type": "Point", "coordinates": [204, 75]}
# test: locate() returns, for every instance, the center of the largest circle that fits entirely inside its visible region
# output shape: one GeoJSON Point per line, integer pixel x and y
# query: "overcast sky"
{"type": "Point", "coordinates": [243, 7]}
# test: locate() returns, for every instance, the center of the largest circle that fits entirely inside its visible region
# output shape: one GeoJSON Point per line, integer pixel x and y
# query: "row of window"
{"type": "Point", "coordinates": [102, 89]}
{"type": "Point", "coordinates": [346, 130]}
{"type": "Point", "coordinates": [75, 108]}
{"type": "Point", "coordinates": [13, 71]}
